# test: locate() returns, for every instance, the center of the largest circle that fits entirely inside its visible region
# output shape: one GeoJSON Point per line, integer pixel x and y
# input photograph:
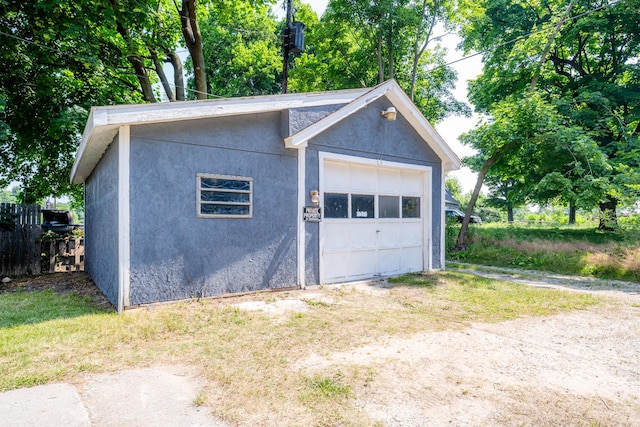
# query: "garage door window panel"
{"type": "Point", "coordinates": [389, 206]}
{"type": "Point", "coordinates": [362, 206]}
{"type": "Point", "coordinates": [410, 207]}
{"type": "Point", "coordinates": [336, 205]}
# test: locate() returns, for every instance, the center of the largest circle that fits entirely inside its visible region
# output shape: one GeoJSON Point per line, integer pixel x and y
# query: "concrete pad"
{"type": "Point", "coordinates": [162, 396]}
{"type": "Point", "coordinates": [48, 405]}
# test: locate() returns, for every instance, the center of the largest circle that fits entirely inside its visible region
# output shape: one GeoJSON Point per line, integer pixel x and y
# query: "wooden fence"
{"type": "Point", "coordinates": [20, 242]}
{"type": "Point", "coordinates": [64, 254]}
{"type": "Point", "coordinates": [23, 251]}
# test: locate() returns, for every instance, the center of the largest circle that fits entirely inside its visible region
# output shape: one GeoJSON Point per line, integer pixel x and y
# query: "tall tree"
{"type": "Point", "coordinates": [584, 58]}
{"type": "Point", "coordinates": [519, 131]}
{"type": "Point", "coordinates": [242, 43]}
{"type": "Point", "coordinates": [61, 58]}
{"type": "Point", "coordinates": [360, 43]}
{"type": "Point", "coordinates": [53, 69]}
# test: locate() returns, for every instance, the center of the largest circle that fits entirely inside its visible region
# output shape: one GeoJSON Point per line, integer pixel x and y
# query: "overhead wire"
{"type": "Point", "coordinates": [527, 35]}
{"type": "Point", "coordinates": [464, 58]}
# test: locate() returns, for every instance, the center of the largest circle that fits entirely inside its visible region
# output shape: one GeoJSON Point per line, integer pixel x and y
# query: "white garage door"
{"type": "Point", "coordinates": [373, 221]}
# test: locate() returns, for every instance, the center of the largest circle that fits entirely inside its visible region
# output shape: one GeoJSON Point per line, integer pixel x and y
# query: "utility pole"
{"type": "Point", "coordinates": [286, 47]}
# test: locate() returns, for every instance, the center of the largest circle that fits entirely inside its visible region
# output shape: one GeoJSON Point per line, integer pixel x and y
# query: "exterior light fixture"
{"type": "Point", "coordinates": [315, 197]}
{"type": "Point", "coordinates": [389, 114]}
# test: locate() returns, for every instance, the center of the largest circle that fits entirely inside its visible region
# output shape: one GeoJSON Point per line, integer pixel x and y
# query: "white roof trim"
{"type": "Point", "coordinates": [401, 101]}
{"type": "Point", "coordinates": [103, 122]}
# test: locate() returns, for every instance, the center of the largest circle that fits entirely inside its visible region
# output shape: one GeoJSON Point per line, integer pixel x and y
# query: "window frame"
{"type": "Point", "coordinates": [376, 207]}
{"type": "Point", "coordinates": [200, 202]}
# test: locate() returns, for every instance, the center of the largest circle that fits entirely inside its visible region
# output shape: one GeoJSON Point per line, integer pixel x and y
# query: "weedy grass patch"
{"type": "Point", "coordinates": [565, 250]}
{"type": "Point", "coordinates": [249, 358]}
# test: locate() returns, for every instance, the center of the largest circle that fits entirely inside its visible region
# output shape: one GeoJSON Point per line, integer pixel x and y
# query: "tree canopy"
{"type": "Point", "coordinates": [580, 57]}
{"type": "Point", "coordinates": [63, 57]}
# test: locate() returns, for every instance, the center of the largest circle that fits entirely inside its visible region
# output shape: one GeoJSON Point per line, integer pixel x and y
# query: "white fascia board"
{"type": "Point", "coordinates": [301, 138]}
{"type": "Point", "coordinates": [103, 123]}
{"type": "Point", "coordinates": [401, 101]}
{"type": "Point", "coordinates": [450, 161]}
{"type": "Point", "coordinates": [89, 152]}
{"type": "Point", "coordinates": [190, 110]}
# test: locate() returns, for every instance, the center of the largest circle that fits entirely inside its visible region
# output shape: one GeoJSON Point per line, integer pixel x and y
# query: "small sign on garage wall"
{"type": "Point", "coordinates": [312, 213]}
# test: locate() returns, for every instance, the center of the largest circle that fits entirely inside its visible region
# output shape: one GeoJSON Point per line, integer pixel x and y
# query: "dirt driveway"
{"type": "Point", "coordinates": [579, 368]}
{"type": "Point", "coordinates": [576, 368]}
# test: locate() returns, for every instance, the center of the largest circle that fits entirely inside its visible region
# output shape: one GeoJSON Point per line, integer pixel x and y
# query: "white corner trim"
{"type": "Point", "coordinates": [427, 220]}
{"type": "Point", "coordinates": [443, 220]}
{"type": "Point", "coordinates": [302, 193]}
{"type": "Point", "coordinates": [124, 214]}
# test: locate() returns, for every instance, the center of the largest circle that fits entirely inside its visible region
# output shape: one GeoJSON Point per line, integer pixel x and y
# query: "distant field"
{"type": "Point", "coordinates": [575, 250]}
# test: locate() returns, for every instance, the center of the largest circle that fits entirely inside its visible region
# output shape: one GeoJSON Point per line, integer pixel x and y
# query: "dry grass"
{"type": "Point", "coordinates": [551, 246]}
{"type": "Point", "coordinates": [625, 259]}
{"type": "Point", "coordinates": [608, 260]}
{"type": "Point", "coordinates": [249, 358]}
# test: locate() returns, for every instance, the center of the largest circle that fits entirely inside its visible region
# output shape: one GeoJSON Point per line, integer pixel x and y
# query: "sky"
{"type": "Point", "coordinates": [451, 127]}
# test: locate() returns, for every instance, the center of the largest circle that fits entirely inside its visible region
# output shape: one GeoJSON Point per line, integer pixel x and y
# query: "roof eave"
{"type": "Point", "coordinates": [103, 122]}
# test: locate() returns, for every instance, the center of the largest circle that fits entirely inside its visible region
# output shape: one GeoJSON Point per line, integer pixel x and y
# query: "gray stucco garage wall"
{"type": "Point", "coordinates": [174, 254]}
{"type": "Point", "coordinates": [101, 224]}
{"type": "Point", "coordinates": [366, 134]}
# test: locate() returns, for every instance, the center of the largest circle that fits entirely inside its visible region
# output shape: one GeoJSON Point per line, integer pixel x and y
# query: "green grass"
{"type": "Point", "coordinates": [247, 358]}
{"type": "Point", "coordinates": [320, 386]}
{"type": "Point", "coordinates": [465, 296]}
{"type": "Point", "coordinates": [581, 251]}
{"type": "Point", "coordinates": [20, 308]}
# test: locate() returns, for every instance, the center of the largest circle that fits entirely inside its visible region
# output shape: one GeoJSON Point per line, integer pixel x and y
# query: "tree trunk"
{"type": "Point", "coordinates": [474, 197]}
{"type": "Point", "coordinates": [163, 78]}
{"type": "Point", "coordinates": [193, 40]}
{"type": "Point", "coordinates": [547, 48]}
{"type": "Point", "coordinates": [476, 192]}
{"type": "Point", "coordinates": [608, 216]}
{"type": "Point", "coordinates": [572, 213]}
{"type": "Point", "coordinates": [178, 74]}
{"type": "Point", "coordinates": [419, 50]}
{"type": "Point", "coordinates": [380, 62]}
{"type": "Point", "coordinates": [134, 59]}
{"type": "Point", "coordinates": [143, 78]}
{"type": "Point", "coordinates": [510, 214]}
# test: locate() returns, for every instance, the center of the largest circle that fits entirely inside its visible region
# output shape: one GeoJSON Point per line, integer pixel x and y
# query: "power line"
{"type": "Point", "coordinates": [524, 36]}
{"type": "Point", "coordinates": [81, 59]}
{"type": "Point", "coordinates": [493, 48]}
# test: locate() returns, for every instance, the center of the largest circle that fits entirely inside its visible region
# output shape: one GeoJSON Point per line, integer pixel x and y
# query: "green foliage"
{"type": "Point", "coordinates": [9, 196]}
{"type": "Point", "coordinates": [488, 213]}
{"type": "Point", "coordinates": [57, 62]}
{"type": "Point", "coordinates": [593, 159]}
{"type": "Point", "coordinates": [241, 45]}
{"type": "Point", "coordinates": [571, 250]}
{"type": "Point", "coordinates": [358, 44]}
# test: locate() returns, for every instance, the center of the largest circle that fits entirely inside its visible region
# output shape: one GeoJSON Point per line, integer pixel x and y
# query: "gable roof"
{"type": "Point", "coordinates": [404, 106]}
{"type": "Point", "coordinates": [104, 122]}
